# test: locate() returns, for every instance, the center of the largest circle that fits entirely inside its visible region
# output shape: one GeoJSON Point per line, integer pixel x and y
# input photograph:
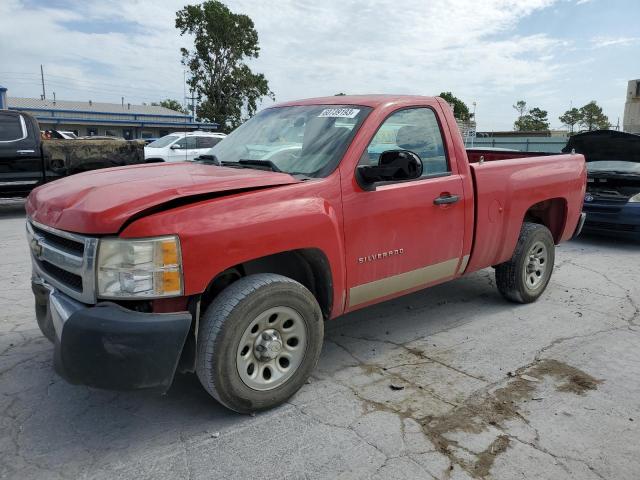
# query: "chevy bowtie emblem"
{"type": "Point", "coordinates": [36, 247]}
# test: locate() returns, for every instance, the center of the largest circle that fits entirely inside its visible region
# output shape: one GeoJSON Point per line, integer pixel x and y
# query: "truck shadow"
{"type": "Point", "coordinates": [116, 427]}
{"type": "Point", "coordinates": [607, 241]}
{"type": "Point", "coordinates": [112, 424]}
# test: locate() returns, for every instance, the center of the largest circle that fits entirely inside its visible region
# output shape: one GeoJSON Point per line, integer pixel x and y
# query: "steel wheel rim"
{"type": "Point", "coordinates": [536, 264]}
{"type": "Point", "coordinates": [272, 348]}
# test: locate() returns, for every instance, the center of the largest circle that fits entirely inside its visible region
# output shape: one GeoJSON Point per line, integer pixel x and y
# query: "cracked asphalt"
{"type": "Point", "coordinates": [448, 383]}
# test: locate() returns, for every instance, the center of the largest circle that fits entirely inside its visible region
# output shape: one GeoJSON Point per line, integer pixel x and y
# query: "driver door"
{"type": "Point", "coordinates": [398, 236]}
{"type": "Point", "coordinates": [20, 160]}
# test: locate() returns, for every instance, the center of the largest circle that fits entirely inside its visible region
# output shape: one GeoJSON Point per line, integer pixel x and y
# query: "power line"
{"type": "Point", "coordinates": [92, 85]}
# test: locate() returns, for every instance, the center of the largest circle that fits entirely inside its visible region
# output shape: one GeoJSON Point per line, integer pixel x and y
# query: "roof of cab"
{"type": "Point", "coordinates": [364, 100]}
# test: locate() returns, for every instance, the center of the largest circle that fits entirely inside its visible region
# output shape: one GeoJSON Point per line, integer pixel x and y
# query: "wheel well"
{"type": "Point", "coordinates": [154, 160]}
{"type": "Point", "coordinates": [308, 266]}
{"type": "Point", "coordinates": [551, 213]}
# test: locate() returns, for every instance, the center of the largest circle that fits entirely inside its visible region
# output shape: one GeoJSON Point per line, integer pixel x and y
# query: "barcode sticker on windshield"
{"type": "Point", "coordinates": [339, 113]}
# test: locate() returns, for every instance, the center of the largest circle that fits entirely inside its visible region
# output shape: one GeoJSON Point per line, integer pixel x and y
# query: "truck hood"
{"type": "Point", "coordinates": [101, 201]}
{"type": "Point", "coordinates": [605, 145]}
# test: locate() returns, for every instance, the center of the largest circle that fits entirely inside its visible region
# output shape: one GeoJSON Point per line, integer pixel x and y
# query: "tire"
{"type": "Point", "coordinates": [523, 279]}
{"type": "Point", "coordinates": [251, 302]}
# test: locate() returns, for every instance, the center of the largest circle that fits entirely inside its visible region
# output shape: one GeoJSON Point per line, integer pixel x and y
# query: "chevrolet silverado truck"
{"type": "Point", "coordinates": [311, 209]}
{"type": "Point", "coordinates": [27, 161]}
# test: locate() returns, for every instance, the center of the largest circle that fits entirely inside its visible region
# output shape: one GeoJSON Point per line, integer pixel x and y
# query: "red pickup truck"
{"type": "Point", "coordinates": [228, 266]}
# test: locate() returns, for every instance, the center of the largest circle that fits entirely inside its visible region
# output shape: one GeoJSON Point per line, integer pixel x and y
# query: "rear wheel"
{"type": "Point", "coordinates": [258, 342]}
{"type": "Point", "coordinates": [525, 276]}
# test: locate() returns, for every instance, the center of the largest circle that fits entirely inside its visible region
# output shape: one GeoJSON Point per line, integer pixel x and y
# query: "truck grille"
{"type": "Point", "coordinates": [67, 278]}
{"type": "Point", "coordinates": [61, 242]}
{"type": "Point", "coordinates": [65, 260]}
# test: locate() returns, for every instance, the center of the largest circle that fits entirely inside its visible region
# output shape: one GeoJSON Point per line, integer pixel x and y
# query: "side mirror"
{"type": "Point", "coordinates": [175, 146]}
{"type": "Point", "coordinates": [394, 165]}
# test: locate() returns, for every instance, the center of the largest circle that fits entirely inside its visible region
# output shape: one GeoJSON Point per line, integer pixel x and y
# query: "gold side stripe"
{"type": "Point", "coordinates": [403, 281]}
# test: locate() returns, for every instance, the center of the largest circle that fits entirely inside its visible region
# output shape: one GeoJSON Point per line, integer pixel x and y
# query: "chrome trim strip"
{"type": "Point", "coordinates": [19, 182]}
{"type": "Point", "coordinates": [61, 233]}
{"type": "Point", "coordinates": [83, 266]}
{"type": "Point", "coordinates": [463, 265]}
{"type": "Point", "coordinates": [404, 281]}
{"type": "Point", "coordinates": [581, 220]}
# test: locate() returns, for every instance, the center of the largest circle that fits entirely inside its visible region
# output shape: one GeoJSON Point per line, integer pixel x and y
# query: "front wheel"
{"type": "Point", "coordinates": [258, 342]}
{"type": "Point", "coordinates": [525, 276]}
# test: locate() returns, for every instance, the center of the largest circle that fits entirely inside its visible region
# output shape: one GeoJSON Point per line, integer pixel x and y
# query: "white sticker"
{"type": "Point", "coordinates": [339, 113]}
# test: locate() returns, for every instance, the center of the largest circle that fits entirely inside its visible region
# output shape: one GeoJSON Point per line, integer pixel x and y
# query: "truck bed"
{"type": "Point", "coordinates": [82, 155]}
{"type": "Point", "coordinates": [489, 155]}
{"type": "Point", "coordinates": [505, 190]}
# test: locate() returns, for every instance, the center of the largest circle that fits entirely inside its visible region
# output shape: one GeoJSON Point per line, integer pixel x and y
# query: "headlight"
{"type": "Point", "coordinates": [150, 268]}
{"type": "Point", "coordinates": [635, 198]}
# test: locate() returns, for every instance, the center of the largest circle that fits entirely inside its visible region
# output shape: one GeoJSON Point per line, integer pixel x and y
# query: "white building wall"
{"type": "Point", "coordinates": [631, 122]}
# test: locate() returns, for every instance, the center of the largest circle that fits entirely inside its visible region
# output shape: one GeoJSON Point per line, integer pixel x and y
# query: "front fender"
{"type": "Point", "coordinates": [218, 234]}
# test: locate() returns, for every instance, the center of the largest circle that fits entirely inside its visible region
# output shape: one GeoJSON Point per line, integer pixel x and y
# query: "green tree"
{"type": "Point", "coordinates": [171, 105]}
{"type": "Point", "coordinates": [571, 118]}
{"type": "Point", "coordinates": [460, 109]}
{"type": "Point", "coordinates": [222, 41]}
{"type": "Point", "coordinates": [592, 117]}
{"type": "Point", "coordinates": [534, 121]}
{"type": "Point", "coordinates": [521, 107]}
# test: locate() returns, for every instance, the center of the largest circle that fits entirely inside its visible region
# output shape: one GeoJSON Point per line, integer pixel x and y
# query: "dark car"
{"type": "Point", "coordinates": [612, 199]}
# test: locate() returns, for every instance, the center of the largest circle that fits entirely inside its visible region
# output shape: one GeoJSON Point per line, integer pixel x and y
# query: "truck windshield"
{"type": "Point", "coordinates": [307, 140]}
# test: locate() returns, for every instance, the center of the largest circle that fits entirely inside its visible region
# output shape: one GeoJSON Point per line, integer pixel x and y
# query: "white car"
{"type": "Point", "coordinates": [181, 146]}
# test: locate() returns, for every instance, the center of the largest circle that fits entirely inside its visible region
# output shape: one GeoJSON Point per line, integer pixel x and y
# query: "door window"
{"type": "Point", "coordinates": [11, 128]}
{"type": "Point", "coordinates": [414, 129]}
{"type": "Point", "coordinates": [186, 142]}
{"type": "Point", "coordinates": [207, 142]}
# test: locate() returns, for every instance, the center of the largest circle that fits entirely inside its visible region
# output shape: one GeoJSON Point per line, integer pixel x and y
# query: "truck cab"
{"type": "Point", "coordinates": [21, 166]}
{"type": "Point", "coordinates": [229, 267]}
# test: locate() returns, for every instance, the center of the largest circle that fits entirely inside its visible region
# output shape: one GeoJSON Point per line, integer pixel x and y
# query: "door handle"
{"type": "Point", "coordinates": [446, 199]}
{"type": "Point", "coordinates": [24, 152]}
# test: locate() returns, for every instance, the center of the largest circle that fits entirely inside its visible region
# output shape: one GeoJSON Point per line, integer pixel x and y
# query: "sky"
{"type": "Point", "coordinates": [551, 53]}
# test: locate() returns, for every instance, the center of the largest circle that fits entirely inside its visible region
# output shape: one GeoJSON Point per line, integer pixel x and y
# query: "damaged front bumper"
{"type": "Point", "coordinates": [108, 346]}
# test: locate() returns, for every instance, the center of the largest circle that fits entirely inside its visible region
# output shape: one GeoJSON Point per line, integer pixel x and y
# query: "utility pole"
{"type": "Point", "coordinates": [184, 88]}
{"type": "Point", "coordinates": [44, 95]}
{"type": "Point", "coordinates": [193, 105]}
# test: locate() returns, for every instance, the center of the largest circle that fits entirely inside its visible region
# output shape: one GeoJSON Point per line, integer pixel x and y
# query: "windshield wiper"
{"type": "Point", "coordinates": [209, 159]}
{"type": "Point", "coordinates": [261, 163]}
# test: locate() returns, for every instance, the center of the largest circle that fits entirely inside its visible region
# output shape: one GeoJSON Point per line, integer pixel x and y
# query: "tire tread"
{"type": "Point", "coordinates": [507, 274]}
{"type": "Point", "coordinates": [211, 325]}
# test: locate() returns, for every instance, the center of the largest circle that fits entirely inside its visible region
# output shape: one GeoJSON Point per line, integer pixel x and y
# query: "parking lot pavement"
{"type": "Point", "coordinates": [451, 382]}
